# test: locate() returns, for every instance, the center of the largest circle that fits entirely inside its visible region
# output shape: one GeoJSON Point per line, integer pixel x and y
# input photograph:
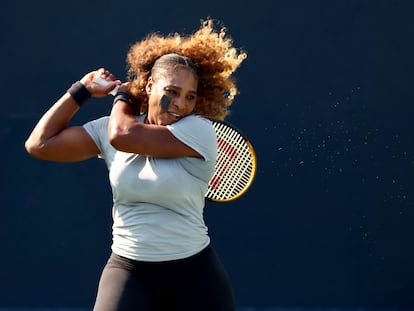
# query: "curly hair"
{"type": "Point", "coordinates": [212, 53]}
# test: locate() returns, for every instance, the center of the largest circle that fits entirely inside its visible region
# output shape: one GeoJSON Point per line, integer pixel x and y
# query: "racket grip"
{"type": "Point", "coordinates": [98, 79]}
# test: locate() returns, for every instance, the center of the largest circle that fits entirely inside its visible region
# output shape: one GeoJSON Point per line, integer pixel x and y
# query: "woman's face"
{"type": "Point", "coordinates": [181, 86]}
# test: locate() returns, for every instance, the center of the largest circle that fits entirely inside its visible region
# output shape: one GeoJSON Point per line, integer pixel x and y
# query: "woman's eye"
{"type": "Point", "coordinates": [174, 92]}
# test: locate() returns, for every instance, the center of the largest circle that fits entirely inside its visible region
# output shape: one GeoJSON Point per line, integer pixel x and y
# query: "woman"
{"type": "Point", "coordinates": [160, 150]}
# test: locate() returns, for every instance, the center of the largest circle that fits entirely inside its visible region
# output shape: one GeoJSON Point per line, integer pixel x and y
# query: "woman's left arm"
{"type": "Point", "coordinates": [128, 135]}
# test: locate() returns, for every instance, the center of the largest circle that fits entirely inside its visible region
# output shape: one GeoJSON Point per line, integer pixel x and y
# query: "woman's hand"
{"type": "Point", "coordinates": [97, 89]}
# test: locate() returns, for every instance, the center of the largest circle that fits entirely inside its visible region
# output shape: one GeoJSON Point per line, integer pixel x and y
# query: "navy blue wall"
{"type": "Point", "coordinates": [326, 99]}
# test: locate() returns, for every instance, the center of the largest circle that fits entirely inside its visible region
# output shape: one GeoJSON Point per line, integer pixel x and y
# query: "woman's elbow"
{"type": "Point", "coordinates": [33, 148]}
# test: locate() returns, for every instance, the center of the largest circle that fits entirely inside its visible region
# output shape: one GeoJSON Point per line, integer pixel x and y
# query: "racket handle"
{"type": "Point", "coordinates": [98, 79]}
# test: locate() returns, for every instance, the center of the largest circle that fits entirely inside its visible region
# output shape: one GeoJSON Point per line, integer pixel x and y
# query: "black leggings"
{"type": "Point", "coordinates": [196, 283]}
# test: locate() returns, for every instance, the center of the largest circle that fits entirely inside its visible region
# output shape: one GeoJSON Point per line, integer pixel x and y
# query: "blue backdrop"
{"type": "Point", "coordinates": [326, 97]}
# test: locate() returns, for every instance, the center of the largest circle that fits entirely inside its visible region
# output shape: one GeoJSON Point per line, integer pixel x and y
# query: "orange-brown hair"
{"type": "Point", "coordinates": [211, 52]}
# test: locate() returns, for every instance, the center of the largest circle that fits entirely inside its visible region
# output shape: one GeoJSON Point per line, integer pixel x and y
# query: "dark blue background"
{"type": "Point", "coordinates": [326, 98]}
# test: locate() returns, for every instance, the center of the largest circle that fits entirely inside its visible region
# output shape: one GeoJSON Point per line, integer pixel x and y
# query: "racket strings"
{"type": "Point", "coordinates": [238, 174]}
{"type": "Point", "coordinates": [234, 167]}
{"type": "Point", "coordinates": [232, 184]}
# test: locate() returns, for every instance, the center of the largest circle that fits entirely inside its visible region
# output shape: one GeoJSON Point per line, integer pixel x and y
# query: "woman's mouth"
{"type": "Point", "coordinates": [175, 115]}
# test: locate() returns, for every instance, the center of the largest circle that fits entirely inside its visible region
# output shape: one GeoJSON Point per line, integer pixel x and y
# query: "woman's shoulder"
{"type": "Point", "coordinates": [198, 133]}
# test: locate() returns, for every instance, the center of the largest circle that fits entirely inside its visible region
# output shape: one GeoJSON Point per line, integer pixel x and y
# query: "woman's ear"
{"type": "Point", "coordinates": [148, 87]}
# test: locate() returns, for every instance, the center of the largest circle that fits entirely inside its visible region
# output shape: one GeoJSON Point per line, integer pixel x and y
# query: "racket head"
{"type": "Point", "coordinates": [235, 166]}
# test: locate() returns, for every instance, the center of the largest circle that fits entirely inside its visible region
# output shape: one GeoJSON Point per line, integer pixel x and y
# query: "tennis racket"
{"type": "Point", "coordinates": [235, 166]}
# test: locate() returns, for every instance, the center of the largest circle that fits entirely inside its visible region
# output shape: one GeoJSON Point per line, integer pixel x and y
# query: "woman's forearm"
{"type": "Point", "coordinates": [52, 123]}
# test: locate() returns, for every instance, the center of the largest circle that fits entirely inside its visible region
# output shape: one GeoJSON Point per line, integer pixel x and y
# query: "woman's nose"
{"type": "Point", "coordinates": [179, 102]}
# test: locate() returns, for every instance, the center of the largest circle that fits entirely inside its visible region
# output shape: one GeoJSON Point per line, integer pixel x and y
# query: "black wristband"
{"type": "Point", "coordinates": [79, 93]}
{"type": "Point", "coordinates": [124, 96]}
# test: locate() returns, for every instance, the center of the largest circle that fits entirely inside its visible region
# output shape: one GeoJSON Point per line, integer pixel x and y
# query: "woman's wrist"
{"type": "Point", "coordinates": [79, 93]}
{"type": "Point", "coordinates": [123, 96]}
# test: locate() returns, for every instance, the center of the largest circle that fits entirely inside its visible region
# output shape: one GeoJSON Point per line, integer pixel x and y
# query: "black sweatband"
{"type": "Point", "coordinates": [124, 96]}
{"type": "Point", "coordinates": [79, 93]}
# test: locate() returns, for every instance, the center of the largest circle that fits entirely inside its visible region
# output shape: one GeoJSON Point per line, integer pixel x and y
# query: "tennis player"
{"type": "Point", "coordinates": [160, 150]}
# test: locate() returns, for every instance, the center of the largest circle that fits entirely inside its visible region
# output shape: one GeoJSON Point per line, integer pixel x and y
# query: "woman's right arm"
{"type": "Point", "coordinates": [53, 140]}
